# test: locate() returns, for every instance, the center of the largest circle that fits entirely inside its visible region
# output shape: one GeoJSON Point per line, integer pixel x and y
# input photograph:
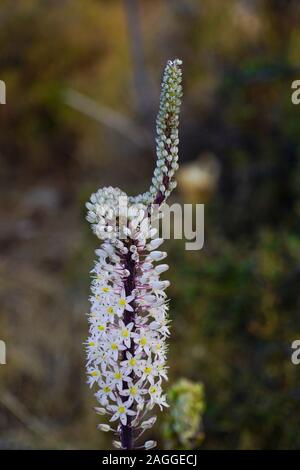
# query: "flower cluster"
{"type": "Point", "coordinates": [126, 348]}
{"type": "Point", "coordinates": [103, 211]}
{"type": "Point", "coordinates": [128, 324]}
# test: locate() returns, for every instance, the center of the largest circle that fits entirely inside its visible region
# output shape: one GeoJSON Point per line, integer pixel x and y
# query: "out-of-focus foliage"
{"type": "Point", "coordinates": [235, 304]}
{"type": "Point", "coordinates": [183, 422]}
{"type": "Point", "coordinates": [237, 316]}
{"type": "Point", "coordinates": [46, 47]}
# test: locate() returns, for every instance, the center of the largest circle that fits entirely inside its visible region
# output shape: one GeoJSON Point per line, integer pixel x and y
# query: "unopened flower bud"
{"type": "Point", "coordinates": [154, 244]}
{"type": "Point", "coordinates": [161, 268]}
{"type": "Point", "coordinates": [100, 411]}
{"type": "Point", "coordinates": [117, 444]}
{"type": "Point", "coordinates": [158, 255]}
{"type": "Point", "coordinates": [150, 444]}
{"type": "Point", "coordinates": [160, 285]}
{"type": "Point", "coordinates": [103, 427]}
{"type": "Point", "coordinates": [148, 423]}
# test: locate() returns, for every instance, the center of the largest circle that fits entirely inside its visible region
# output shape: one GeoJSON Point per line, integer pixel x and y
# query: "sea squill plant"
{"type": "Point", "coordinates": [126, 348]}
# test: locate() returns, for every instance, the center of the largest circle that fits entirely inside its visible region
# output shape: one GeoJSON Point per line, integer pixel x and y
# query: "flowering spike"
{"type": "Point", "coordinates": [126, 348]}
{"type": "Point", "coordinates": [166, 137]}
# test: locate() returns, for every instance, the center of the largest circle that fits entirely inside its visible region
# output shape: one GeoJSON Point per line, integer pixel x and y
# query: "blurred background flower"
{"type": "Point", "coordinates": [82, 80]}
{"type": "Point", "coordinates": [183, 422]}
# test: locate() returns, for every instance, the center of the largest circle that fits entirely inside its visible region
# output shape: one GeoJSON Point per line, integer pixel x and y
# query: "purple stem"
{"type": "Point", "coordinates": [127, 440]}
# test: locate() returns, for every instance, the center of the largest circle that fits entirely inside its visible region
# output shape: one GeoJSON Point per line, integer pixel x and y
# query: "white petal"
{"type": "Point", "coordinates": [114, 417]}
{"type": "Point", "coordinates": [123, 419]}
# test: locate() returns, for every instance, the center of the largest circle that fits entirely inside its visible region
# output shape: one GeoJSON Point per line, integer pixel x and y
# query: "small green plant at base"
{"type": "Point", "coordinates": [183, 426]}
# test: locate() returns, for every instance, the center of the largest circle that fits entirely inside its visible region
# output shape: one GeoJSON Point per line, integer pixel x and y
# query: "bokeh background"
{"type": "Point", "coordinates": [82, 80]}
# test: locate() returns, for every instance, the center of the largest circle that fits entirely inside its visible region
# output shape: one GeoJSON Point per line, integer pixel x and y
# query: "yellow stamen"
{"type": "Point", "coordinates": [132, 361]}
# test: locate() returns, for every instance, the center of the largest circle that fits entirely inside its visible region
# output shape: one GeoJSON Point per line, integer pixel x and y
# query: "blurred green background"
{"type": "Point", "coordinates": [82, 80]}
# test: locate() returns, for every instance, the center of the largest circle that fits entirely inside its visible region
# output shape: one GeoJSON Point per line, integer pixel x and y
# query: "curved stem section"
{"type": "Point", "coordinates": [167, 137]}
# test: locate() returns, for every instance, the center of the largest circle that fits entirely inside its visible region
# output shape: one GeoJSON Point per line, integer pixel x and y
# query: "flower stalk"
{"type": "Point", "coordinates": [126, 434]}
{"type": "Point", "coordinates": [129, 324]}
